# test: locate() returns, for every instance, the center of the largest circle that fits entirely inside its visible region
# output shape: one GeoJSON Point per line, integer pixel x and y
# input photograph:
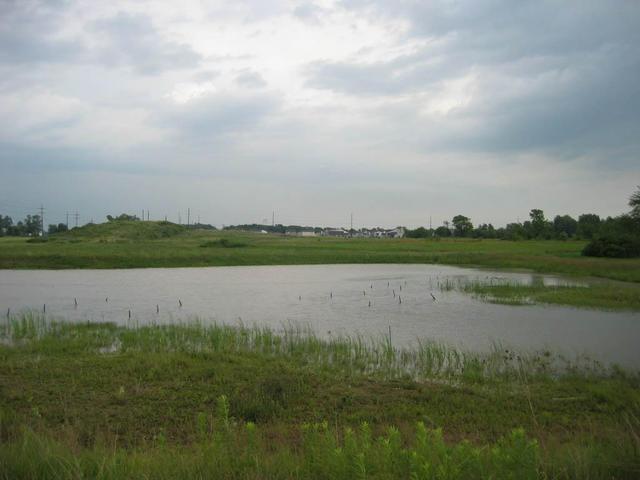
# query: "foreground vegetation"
{"type": "Point", "coordinates": [189, 401]}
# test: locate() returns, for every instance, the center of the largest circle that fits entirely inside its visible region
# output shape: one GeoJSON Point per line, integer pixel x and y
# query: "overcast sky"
{"type": "Point", "coordinates": [396, 111]}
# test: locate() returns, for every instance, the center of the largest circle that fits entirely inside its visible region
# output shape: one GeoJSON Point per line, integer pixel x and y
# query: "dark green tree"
{"type": "Point", "coordinates": [462, 226]}
{"type": "Point", "coordinates": [565, 226]}
{"type": "Point", "coordinates": [634, 203]}
{"type": "Point", "coordinates": [588, 225]}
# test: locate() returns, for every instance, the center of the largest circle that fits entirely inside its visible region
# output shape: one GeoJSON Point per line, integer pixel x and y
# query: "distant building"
{"type": "Point", "coordinates": [376, 232]}
{"type": "Point", "coordinates": [335, 232]}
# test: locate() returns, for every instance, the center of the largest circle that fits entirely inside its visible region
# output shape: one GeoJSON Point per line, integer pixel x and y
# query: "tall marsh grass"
{"type": "Point", "coordinates": [352, 355]}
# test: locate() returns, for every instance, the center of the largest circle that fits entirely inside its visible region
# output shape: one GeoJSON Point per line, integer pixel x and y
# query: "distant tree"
{"type": "Point", "coordinates": [513, 231]}
{"type": "Point", "coordinates": [122, 217]}
{"type": "Point", "coordinates": [462, 226]}
{"type": "Point", "coordinates": [484, 231]}
{"type": "Point", "coordinates": [634, 203]}
{"type": "Point", "coordinates": [565, 226]}
{"type": "Point", "coordinates": [32, 225]}
{"type": "Point", "coordinates": [588, 225]}
{"type": "Point", "coordinates": [419, 232]}
{"type": "Point", "coordinates": [59, 228]}
{"type": "Point", "coordinates": [442, 231]}
{"type": "Point", "coordinates": [5, 225]}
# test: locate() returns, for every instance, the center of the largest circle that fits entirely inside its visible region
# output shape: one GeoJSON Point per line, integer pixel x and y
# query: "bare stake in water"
{"type": "Point", "coordinates": [157, 308]}
{"type": "Point", "coordinates": [180, 303]}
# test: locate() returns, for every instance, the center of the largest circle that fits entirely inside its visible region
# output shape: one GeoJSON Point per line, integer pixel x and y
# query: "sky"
{"type": "Point", "coordinates": [399, 112]}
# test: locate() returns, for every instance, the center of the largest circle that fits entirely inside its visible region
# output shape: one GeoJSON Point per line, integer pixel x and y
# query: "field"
{"type": "Point", "coordinates": [100, 401]}
{"type": "Point", "coordinates": [157, 244]}
{"type": "Point", "coordinates": [152, 244]}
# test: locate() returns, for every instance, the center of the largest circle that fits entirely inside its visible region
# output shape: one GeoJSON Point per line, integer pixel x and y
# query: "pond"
{"type": "Point", "coordinates": [333, 300]}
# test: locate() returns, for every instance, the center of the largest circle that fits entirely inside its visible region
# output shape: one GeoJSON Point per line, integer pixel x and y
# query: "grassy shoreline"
{"type": "Point", "coordinates": [147, 401]}
{"type": "Point", "coordinates": [152, 244]}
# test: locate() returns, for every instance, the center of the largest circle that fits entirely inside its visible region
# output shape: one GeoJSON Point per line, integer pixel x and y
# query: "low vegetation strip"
{"type": "Point", "coordinates": [143, 244]}
{"type": "Point", "coordinates": [192, 401]}
{"type": "Point", "coordinates": [600, 295]}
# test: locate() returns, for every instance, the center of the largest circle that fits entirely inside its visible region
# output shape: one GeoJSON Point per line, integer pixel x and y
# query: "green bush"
{"type": "Point", "coordinates": [614, 246]}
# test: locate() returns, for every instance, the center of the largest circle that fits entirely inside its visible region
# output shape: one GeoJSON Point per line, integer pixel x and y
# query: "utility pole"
{"type": "Point", "coordinates": [142, 218]}
{"type": "Point", "coordinates": [67, 224]}
{"type": "Point", "coordinates": [179, 219]}
{"type": "Point", "coordinates": [351, 220]}
{"type": "Point", "coordinates": [147, 215]}
{"type": "Point", "coordinates": [188, 216]}
{"type": "Point", "coordinates": [76, 215]}
{"type": "Point", "coordinates": [273, 219]}
{"type": "Point", "coordinates": [42, 219]}
{"type": "Point", "coordinates": [430, 222]}
{"type": "Point", "coordinates": [198, 219]}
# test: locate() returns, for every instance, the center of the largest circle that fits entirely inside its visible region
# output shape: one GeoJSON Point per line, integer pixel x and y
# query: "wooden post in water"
{"type": "Point", "coordinates": [8, 312]}
{"type": "Point", "coordinates": [157, 308]}
{"type": "Point", "coordinates": [75, 302]}
{"type": "Point", "coordinates": [44, 308]}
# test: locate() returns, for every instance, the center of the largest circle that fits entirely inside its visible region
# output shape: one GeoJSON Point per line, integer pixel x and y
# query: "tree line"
{"type": "Point", "coordinates": [609, 237]}
{"type": "Point", "coordinates": [30, 226]}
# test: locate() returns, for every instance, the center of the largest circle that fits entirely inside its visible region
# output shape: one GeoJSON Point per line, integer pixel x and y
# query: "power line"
{"type": "Point", "coordinates": [42, 218]}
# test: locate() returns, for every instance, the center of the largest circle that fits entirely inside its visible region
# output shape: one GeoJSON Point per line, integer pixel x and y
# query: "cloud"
{"type": "Point", "coordinates": [250, 79]}
{"type": "Point", "coordinates": [29, 32]}
{"type": "Point", "coordinates": [133, 40]}
{"type": "Point", "coordinates": [394, 107]}
{"type": "Point", "coordinates": [482, 77]}
{"type": "Point", "coordinates": [217, 114]}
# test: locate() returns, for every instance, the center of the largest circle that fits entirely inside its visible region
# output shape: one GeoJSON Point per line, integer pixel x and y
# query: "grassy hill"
{"type": "Point", "coordinates": [123, 230]}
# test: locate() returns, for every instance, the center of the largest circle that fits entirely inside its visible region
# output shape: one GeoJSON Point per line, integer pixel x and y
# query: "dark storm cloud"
{"type": "Point", "coordinates": [132, 40]}
{"type": "Point", "coordinates": [543, 75]}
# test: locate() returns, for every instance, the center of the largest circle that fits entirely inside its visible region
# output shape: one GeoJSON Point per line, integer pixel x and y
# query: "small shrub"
{"type": "Point", "coordinates": [38, 240]}
{"type": "Point", "coordinates": [222, 243]}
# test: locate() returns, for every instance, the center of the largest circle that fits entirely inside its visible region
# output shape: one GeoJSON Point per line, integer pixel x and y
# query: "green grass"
{"type": "Point", "coordinates": [101, 401]}
{"type": "Point", "coordinates": [600, 295]}
{"type": "Point", "coordinates": [155, 244]}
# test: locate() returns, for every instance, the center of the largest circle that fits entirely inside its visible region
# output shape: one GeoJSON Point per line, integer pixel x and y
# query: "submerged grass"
{"type": "Point", "coordinates": [590, 295]}
{"type": "Point", "coordinates": [215, 401]}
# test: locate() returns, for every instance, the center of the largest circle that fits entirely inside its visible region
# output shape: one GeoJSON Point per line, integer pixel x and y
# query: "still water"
{"type": "Point", "coordinates": [332, 300]}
